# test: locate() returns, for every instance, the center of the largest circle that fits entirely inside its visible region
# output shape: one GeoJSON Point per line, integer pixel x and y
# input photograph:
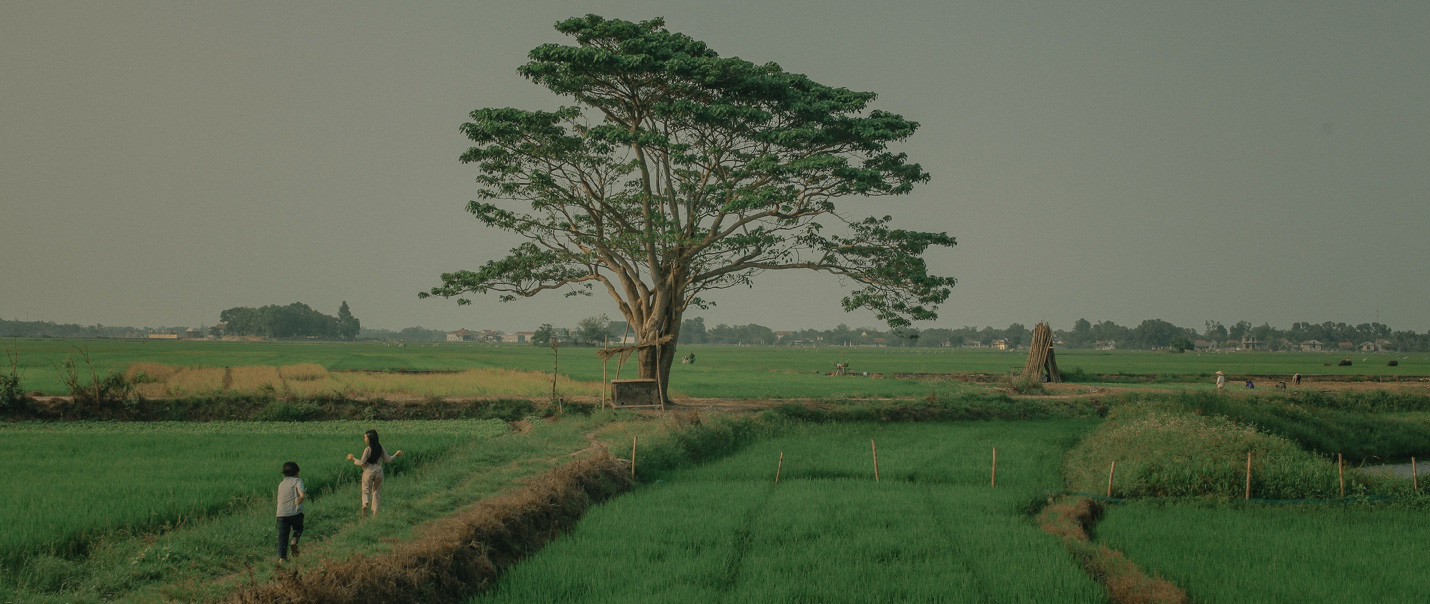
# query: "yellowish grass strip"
{"type": "Point", "coordinates": [304, 372]}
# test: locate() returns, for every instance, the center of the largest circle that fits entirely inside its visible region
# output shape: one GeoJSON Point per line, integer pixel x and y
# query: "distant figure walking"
{"type": "Point", "coordinates": [1296, 380]}
{"type": "Point", "coordinates": [1220, 381]}
{"type": "Point", "coordinates": [371, 461]}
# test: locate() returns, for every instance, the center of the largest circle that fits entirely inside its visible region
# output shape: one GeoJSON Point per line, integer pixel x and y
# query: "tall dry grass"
{"type": "Point", "coordinates": [311, 379]}
{"type": "Point", "coordinates": [190, 381]}
{"type": "Point", "coordinates": [254, 379]}
{"type": "Point", "coordinates": [147, 373]}
{"type": "Point", "coordinates": [472, 382]}
{"type": "Point", "coordinates": [303, 372]}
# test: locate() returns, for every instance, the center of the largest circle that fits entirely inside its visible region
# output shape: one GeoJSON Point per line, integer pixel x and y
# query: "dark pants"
{"type": "Point", "coordinates": [287, 524]}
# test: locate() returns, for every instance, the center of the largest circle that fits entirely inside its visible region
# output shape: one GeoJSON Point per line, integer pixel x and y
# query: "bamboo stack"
{"type": "Point", "coordinates": [1040, 357]}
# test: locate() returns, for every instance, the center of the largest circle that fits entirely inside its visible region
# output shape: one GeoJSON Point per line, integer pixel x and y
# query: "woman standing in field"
{"type": "Point", "coordinates": [371, 461]}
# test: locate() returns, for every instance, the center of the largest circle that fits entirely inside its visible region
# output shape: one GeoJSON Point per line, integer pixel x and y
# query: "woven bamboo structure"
{"type": "Point", "coordinates": [1042, 364]}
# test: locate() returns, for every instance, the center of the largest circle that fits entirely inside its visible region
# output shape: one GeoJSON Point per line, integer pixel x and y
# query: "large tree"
{"type": "Point", "coordinates": [675, 172]}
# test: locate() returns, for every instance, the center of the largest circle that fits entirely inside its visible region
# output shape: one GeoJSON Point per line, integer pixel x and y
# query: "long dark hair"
{"type": "Point", "coordinates": [374, 447]}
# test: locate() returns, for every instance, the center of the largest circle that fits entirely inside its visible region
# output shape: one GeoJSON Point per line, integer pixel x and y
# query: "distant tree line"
{"type": "Point", "coordinates": [296, 320]}
{"type": "Point", "coordinates": [49, 329]}
{"type": "Point", "coordinates": [1151, 334]}
{"type": "Point", "coordinates": [408, 334]}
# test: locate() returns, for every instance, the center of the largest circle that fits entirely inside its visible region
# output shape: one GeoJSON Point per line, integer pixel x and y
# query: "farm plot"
{"type": "Point", "coordinates": [1277, 554]}
{"type": "Point", "coordinates": [931, 528]}
{"type": "Point", "coordinates": [73, 483]}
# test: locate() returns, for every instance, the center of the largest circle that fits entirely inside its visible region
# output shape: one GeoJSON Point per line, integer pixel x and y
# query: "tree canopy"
{"type": "Point", "coordinates": [296, 320]}
{"type": "Point", "coordinates": [675, 172]}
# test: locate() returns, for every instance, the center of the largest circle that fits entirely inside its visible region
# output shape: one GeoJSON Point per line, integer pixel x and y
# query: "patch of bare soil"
{"type": "Point", "coordinates": [1071, 519]}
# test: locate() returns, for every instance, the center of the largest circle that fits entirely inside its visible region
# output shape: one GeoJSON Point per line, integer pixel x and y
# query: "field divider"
{"type": "Point", "coordinates": [462, 553]}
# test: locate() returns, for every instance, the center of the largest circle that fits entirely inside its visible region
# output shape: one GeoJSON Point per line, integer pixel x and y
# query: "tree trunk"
{"type": "Point", "coordinates": [665, 353]}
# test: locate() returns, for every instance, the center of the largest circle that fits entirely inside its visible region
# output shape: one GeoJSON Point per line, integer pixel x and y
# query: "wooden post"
{"type": "Point", "coordinates": [994, 482]}
{"type": "Point", "coordinates": [1248, 475]}
{"type": "Point", "coordinates": [779, 467]}
{"type": "Point", "coordinates": [633, 456]}
{"type": "Point", "coordinates": [1414, 476]}
{"type": "Point", "coordinates": [1110, 472]}
{"type": "Point", "coordinates": [555, 363]}
{"type": "Point", "coordinates": [1341, 470]}
{"type": "Point", "coordinates": [659, 386]}
{"type": "Point", "coordinates": [605, 361]}
{"type": "Point", "coordinates": [875, 448]}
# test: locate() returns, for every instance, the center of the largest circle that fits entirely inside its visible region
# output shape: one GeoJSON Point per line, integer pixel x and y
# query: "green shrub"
{"type": "Point", "coordinates": [1162, 450]}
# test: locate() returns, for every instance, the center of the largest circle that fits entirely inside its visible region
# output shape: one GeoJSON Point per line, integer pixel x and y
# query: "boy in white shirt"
{"type": "Point", "coordinates": [291, 494]}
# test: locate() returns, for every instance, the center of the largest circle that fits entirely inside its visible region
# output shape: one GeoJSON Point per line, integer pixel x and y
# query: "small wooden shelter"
{"type": "Point", "coordinates": [1042, 365]}
{"type": "Point", "coordinates": [636, 388]}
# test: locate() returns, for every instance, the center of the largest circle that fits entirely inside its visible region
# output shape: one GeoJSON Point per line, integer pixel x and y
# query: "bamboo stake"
{"type": "Point", "coordinates": [1110, 472]}
{"type": "Point", "coordinates": [633, 456]}
{"type": "Point", "coordinates": [1248, 475]}
{"type": "Point", "coordinates": [875, 448]}
{"type": "Point", "coordinates": [659, 385]}
{"type": "Point", "coordinates": [779, 467]}
{"type": "Point", "coordinates": [1414, 476]}
{"type": "Point", "coordinates": [994, 482]}
{"type": "Point", "coordinates": [1341, 470]}
{"type": "Point", "coordinates": [605, 361]}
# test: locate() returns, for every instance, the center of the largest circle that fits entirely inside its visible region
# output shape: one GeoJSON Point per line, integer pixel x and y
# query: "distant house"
{"type": "Point", "coordinates": [1105, 345]}
{"type": "Point", "coordinates": [1312, 346]}
{"type": "Point", "coordinates": [193, 333]}
{"type": "Point", "coordinates": [166, 335]}
{"type": "Point", "coordinates": [461, 335]}
{"type": "Point", "coordinates": [971, 343]}
{"type": "Point", "coordinates": [1369, 346]}
{"type": "Point", "coordinates": [1001, 345]}
{"type": "Point", "coordinates": [520, 337]}
{"type": "Point", "coordinates": [1251, 343]}
{"type": "Point", "coordinates": [1346, 346]}
{"type": "Point", "coordinates": [1203, 344]}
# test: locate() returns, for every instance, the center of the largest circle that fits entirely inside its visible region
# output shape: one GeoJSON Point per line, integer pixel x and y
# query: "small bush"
{"type": "Point", "coordinates": [1016, 383]}
{"type": "Point", "coordinates": [11, 395]}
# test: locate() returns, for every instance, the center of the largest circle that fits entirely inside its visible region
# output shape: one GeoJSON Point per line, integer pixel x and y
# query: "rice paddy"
{"type": "Point", "coordinates": [81, 481]}
{"type": "Point", "coordinates": [930, 528]}
{"type": "Point", "coordinates": [1277, 554]}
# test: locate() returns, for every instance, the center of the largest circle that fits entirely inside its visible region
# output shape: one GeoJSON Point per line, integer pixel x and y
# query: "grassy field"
{"type": "Point", "coordinates": [80, 481]}
{"type": "Point", "coordinates": [184, 512]}
{"type": "Point", "coordinates": [720, 371]}
{"type": "Point", "coordinates": [1277, 554]}
{"type": "Point", "coordinates": [931, 528]}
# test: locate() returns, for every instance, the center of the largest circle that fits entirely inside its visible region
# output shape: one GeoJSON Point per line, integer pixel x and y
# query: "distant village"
{"type": "Point", "coordinates": [598, 331]}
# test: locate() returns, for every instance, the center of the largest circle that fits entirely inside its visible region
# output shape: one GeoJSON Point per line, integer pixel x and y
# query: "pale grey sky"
{"type": "Point", "coordinates": [1267, 161]}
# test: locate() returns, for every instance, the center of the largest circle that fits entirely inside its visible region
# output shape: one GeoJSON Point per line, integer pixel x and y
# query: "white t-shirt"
{"type": "Point", "coordinates": [288, 492]}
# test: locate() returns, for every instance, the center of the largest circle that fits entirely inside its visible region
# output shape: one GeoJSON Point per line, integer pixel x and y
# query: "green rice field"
{"type": "Point", "coordinates": [1277, 554]}
{"type": "Point", "coordinates": [720, 371]}
{"type": "Point", "coordinates": [932, 528]}
{"type": "Point", "coordinates": [79, 480]}
{"type": "Point", "coordinates": [105, 511]}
